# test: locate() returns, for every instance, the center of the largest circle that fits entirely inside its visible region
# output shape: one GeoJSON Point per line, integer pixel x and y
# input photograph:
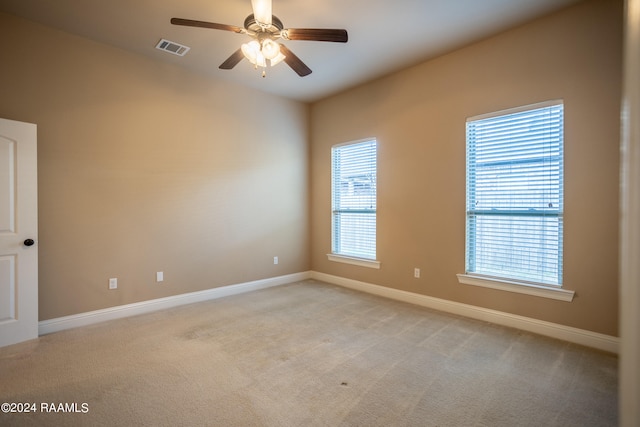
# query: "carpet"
{"type": "Point", "coordinates": [305, 354]}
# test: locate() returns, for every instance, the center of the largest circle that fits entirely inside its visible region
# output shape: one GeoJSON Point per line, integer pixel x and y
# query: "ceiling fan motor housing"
{"type": "Point", "coordinates": [251, 25]}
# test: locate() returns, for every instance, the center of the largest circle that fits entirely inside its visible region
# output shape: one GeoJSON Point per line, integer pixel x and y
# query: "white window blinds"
{"type": "Point", "coordinates": [515, 194]}
{"type": "Point", "coordinates": [354, 199]}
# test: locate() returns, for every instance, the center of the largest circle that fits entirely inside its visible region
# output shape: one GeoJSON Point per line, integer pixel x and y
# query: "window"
{"type": "Point", "coordinates": [514, 197]}
{"type": "Point", "coordinates": [353, 194]}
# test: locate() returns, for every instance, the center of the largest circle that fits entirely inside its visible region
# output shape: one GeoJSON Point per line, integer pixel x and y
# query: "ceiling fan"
{"type": "Point", "coordinates": [264, 29]}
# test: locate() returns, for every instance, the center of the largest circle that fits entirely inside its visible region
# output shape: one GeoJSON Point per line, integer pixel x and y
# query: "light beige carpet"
{"type": "Point", "coordinates": [306, 354]}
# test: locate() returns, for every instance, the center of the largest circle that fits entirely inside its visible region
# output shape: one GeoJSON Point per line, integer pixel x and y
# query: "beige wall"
{"type": "Point", "coordinates": [418, 116]}
{"type": "Point", "coordinates": [144, 167]}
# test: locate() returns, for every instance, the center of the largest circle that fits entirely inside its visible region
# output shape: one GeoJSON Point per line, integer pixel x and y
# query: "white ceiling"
{"type": "Point", "coordinates": [384, 35]}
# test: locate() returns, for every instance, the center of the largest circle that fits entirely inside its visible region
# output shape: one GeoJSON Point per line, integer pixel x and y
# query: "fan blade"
{"type": "Point", "coordinates": [315, 34]}
{"type": "Point", "coordinates": [294, 62]}
{"type": "Point", "coordinates": [262, 11]}
{"type": "Point", "coordinates": [204, 24]}
{"type": "Point", "coordinates": [232, 61]}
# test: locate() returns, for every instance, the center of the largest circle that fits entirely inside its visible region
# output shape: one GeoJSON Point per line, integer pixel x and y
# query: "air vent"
{"type": "Point", "coordinates": [172, 47]}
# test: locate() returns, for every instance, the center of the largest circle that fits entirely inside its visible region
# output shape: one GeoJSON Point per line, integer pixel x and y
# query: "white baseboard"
{"type": "Point", "coordinates": [566, 333]}
{"type": "Point", "coordinates": [121, 311]}
{"type": "Point", "coordinates": [578, 336]}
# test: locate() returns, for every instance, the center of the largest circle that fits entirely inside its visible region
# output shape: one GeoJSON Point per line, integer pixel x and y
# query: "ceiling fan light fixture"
{"type": "Point", "coordinates": [258, 53]}
{"type": "Point", "coordinates": [270, 49]}
{"type": "Point", "coordinates": [251, 50]}
{"type": "Point", "coordinates": [278, 59]}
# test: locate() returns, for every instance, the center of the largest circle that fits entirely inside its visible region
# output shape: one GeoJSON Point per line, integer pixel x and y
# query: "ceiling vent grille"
{"type": "Point", "coordinates": [172, 47]}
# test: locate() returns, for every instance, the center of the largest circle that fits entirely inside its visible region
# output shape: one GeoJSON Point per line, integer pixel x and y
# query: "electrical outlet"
{"type": "Point", "coordinates": [113, 283]}
{"type": "Point", "coordinates": [416, 273]}
{"type": "Point", "coordinates": [275, 260]}
{"type": "Point", "coordinates": [159, 276]}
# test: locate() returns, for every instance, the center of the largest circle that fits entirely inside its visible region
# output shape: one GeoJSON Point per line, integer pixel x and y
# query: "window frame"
{"type": "Point", "coordinates": [497, 281]}
{"type": "Point", "coordinates": [346, 256]}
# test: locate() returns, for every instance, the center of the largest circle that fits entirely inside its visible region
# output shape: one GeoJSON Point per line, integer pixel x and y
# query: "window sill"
{"type": "Point", "coordinates": [354, 261]}
{"type": "Point", "coordinates": [518, 287]}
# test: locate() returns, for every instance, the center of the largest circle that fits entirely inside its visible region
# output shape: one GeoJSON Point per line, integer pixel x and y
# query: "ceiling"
{"type": "Point", "coordinates": [384, 35]}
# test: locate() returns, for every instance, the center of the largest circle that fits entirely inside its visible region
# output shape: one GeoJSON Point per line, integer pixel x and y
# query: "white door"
{"type": "Point", "coordinates": [18, 232]}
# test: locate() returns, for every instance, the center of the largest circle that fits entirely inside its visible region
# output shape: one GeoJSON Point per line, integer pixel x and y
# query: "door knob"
{"type": "Point", "coordinates": [29, 242]}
